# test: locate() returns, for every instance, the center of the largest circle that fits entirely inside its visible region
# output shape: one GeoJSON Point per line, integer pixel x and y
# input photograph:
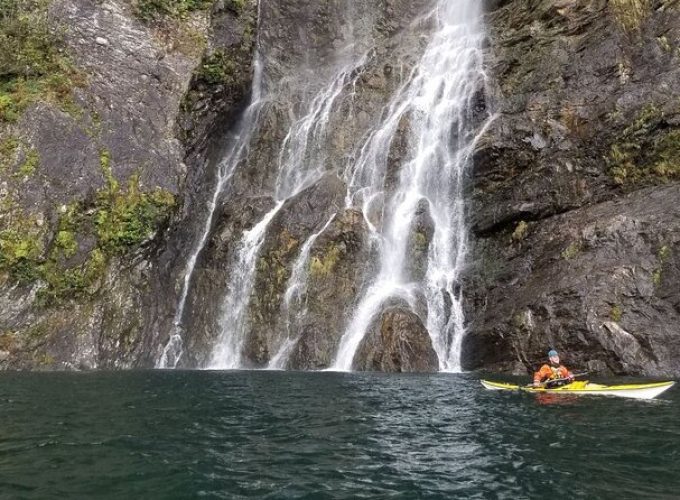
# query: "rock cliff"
{"type": "Point", "coordinates": [117, 116]}
{"type": "Point", "coordinates": [94, 165]}
{"type": "Point", "coordinates": [573, 194]}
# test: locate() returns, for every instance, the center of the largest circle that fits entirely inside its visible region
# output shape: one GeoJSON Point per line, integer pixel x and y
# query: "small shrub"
{"type": "Point", "coordinates": [521, 231]}
{"type": "Point", "coordinates": [8, 153]}
{"type": "Point", "coordinates": [571, 251]}
{"type": "Point", "coordinates": [216, 68]}
{"type": "Point", "coordinates": [648, 151]}
{"type": "Point", "coordinates": [20, 253]}
{"type": "Point", "coordinates": [30, 164]}
{"type": "Point", "coordinates": [127, 218]}
{"type": "Point", "coordinates": [630, 13]}
{"type": "Point", "coordinates": [615, 313]}
{"type": "Point", "coordinates": [159, 10]}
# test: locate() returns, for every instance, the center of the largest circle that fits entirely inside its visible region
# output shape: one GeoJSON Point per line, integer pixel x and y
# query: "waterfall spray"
{"type": "Point", "coordinates": [301, 162]}
{"type": "Point", "coordinates": [436, 101]}
{"type": "Point", "coordinates": [238, 142]}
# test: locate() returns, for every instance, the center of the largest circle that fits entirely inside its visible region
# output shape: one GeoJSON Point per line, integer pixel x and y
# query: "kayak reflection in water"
{"type": "Point", "coordinates": [553, 374]}
{"type": "Point", "coordinates": [547, 398]}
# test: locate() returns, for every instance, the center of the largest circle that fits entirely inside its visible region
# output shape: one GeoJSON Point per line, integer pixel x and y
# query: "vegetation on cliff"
{"type": "Point", "coordinates": [87, 236]}
{"type": "Point", "coordinates": [647, 151]}
{"type": "Point", "coordinates": [158, 10]}
{"type": "Point", "coordinates": [33, 64]}
{"type": "Point", "coordinates": [221, 81]}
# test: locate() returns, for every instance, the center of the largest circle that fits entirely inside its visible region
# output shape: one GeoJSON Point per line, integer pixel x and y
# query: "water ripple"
{"type": "Point", "coordinates": [324, 435]}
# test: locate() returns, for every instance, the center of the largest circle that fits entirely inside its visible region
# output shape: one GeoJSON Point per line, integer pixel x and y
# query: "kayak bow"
{"type": "Point", "coordinates": [638, 391]}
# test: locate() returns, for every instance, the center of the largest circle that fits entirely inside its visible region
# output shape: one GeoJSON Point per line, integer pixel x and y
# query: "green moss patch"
{"type": "Point", "coordinates": [17, 158]}
{"type": "Point", "coordinates": [662, 255]}
{"type": "Point", "coordinates": [647, 152]}
{"type": "Point", "coordinates": [9, 149]}
{"type": "Point", "coordinates": [520, 232]}
{"type": "Point", "coordinates": [324, 263]}
{"type": "Point", "coordinates": [571, 251]}
{"type": "Point", "coordinates": [158, 10]}
{"type": "Point", "coordinates": [116, 222]}
{"type": "Point", "coordinates": [630, 13]}
{"type": "Point", "coordinates": [33, 66]}
{"type": "Point", "coordinates": [126, 218]}
{"type": "Point", "coordinates": [20, 251]}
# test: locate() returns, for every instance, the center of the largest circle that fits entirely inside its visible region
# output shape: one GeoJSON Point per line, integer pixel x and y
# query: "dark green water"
{"type": "Point", "coordinates": [325, 435]}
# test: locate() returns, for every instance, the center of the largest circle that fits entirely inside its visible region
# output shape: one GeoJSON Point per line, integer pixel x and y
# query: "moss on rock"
{"type": "Point", "coordinates": [324, 263]}
{"type": "Point", "coordinates": [647, 152]}
{"type": "Point", "coordinates": [33, 65]}
{"type": "Point", "coordinates": [119, 220]}
{"type": "Point", "coordinates": [630, 13]}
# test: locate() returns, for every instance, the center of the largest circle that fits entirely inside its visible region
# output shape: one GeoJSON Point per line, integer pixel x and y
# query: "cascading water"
{"type": "Point", "coordinates": [295, 293]}
{"type": "Point", "coordinates": [428, 111]}
{"type": "Point", "coordinates": [435, 101]}
{"type": "Point", "coordinates": [238, 145]}
{"type": "Point", "coordinates": [227, 353]}
{"type": "Point", "coordinates": [301, 161]}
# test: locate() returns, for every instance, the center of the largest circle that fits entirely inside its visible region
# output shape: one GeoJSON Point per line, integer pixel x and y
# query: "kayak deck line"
{"type": "Point", "coordinates": [637, 391]}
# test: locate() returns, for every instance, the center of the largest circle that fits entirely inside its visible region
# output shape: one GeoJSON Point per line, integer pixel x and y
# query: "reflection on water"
{"type": "Point", "coordinates": [548, 398]}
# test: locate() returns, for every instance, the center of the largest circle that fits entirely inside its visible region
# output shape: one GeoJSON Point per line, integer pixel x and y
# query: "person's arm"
{"type": "Point", "coordinates": [542, 373]}
{"type": "Point", "coordinates": [565, 373]}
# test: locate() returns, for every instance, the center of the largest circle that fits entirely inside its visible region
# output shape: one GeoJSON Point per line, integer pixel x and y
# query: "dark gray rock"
{"type": "Point", "coordinates": [562, 255]}
{"type": "Point", "coordinates": [397, 342]}
{"type": "Point", "coordinates": [596, 283]}
{"type": "Point", "coordinates": [299, 218]}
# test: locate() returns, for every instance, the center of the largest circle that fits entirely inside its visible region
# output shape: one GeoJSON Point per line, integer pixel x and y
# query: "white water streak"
{"type": "Point", "coordinates": [435, 101]}
{"type": "Point", "coordinates": [298, 167]}
{"type": "Point", "coordinates": [174, 349]}
{"type": "Point", "coordinates": [301, 162]}
{"type": "Point", "coordinates": [296, 290]}
{"type": "Point", "coordinates": [227, 353]}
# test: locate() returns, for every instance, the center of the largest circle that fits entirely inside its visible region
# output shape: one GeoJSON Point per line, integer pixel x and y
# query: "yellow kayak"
{"type": "Point", "coordinates": [638, 391]}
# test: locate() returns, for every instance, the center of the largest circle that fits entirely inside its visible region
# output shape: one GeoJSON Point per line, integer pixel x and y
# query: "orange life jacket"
{"type": "Point", "coordinates": [548, 372]}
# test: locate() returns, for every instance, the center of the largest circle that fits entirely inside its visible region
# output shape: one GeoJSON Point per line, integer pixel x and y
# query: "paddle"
{"type": "Point", "coordinates": [573, 376]}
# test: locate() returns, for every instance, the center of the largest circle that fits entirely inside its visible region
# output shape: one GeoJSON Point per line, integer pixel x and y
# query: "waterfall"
{"type": "Point", "coordinates": [238, 141]}
{"type": "Point", "coordinates": [301, 162]}
{"type": "Point", "coordinates": [227, 352]}
{"type": "Point", "coordinates": [435, 102]}
{"type": "Point", "coordinates": [295, 292]}
{"type": "Point", "coordinates": [427, 115]}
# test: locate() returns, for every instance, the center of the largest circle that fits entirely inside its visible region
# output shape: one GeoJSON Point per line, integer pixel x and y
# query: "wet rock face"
{"type": "Point", "coordinates": [103, 166]}
{"type": "Point", "coordinates": [574, 224]}
{"type": "Point", "coordinates": [337, 262]}
{"type": "Point", "coordinates": [568, 79]}
{"type": "Point", "coordinates": [211, 278]}
{"type": "Point", "coordinates": [220, 85]}
{"type": "Point", "coordinates": [597, 283]}
{"type": "Point", "coordinates": [273, 316]}
{"type": "Point", "coordinates": [397, 342]}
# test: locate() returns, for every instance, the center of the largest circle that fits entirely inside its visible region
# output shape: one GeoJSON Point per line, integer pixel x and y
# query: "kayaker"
{"type": "Point", "coordinates": [553, 371]}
